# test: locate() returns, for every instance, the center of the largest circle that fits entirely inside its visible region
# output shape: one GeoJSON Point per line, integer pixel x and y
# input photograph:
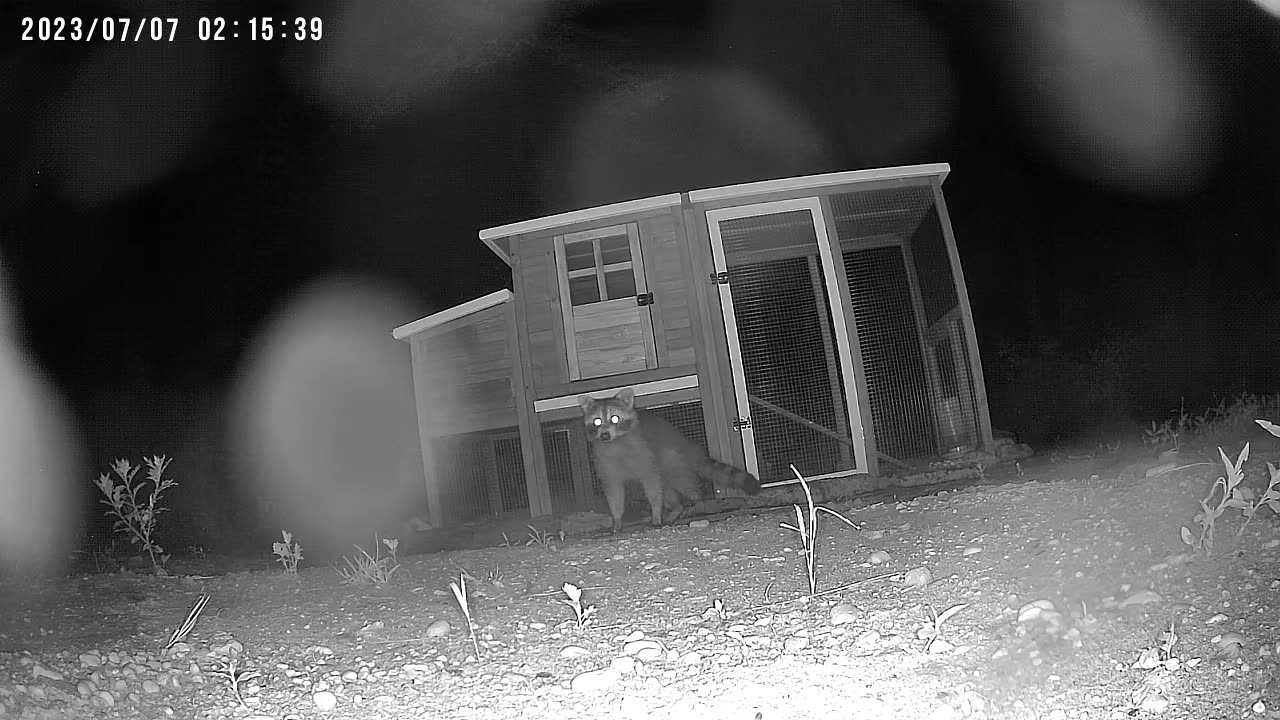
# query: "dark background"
{"type": "Point", "coordinates": [1114, 185]}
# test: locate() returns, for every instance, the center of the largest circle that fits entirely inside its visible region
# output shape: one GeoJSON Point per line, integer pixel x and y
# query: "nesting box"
{"type": "Point", "coordinates": [817, 321]}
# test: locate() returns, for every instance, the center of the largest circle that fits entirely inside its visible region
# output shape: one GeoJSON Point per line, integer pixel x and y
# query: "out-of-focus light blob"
{"type": "Point", "coordinates": [684, 130]}
{"type": "Point", "coordinates": [380, 60]}
{"type": "Point", "coordinates": [134, 114]}
{"type": "Point", "coordinates": [323, 416]}
{"type": "Point", "coordinates": [1270, 6]}
{"type": "Point", "coordinates": [42, 478]}
{"type": "Point", "coordinates": [1110, 93]}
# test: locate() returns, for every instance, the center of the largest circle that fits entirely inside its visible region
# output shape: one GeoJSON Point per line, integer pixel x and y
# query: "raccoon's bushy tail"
{"type": "Point", "coordinates": [724, 476]}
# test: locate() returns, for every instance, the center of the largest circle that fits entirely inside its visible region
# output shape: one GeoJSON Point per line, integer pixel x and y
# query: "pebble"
{"type": "Point", "coordinates": [918, 578]}
{"type": "Point", "coordinates": [878, 557]}
{"type": "Point", "coordinates": [574, 651]}
{"type": "Point", "coordinates": [325, 700]}
{"type": "Point", "coordinates": [593, 680]}
{"type": "Point", "coordinates": [439, 628]}
{"type": "Point", "coordinates": [844, 613]}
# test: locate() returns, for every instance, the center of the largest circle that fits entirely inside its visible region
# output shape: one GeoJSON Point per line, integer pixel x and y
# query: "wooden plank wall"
{"type": "Point", "coordinates": [662, 238]}
{"type": "Point", "coordinates": [542, 317]}
{"type": "Point", "coordinates": [465, 369]}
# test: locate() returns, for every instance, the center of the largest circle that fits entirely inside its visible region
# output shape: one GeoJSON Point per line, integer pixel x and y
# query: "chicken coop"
{"type": "Point", "coordinates": [820, 321]}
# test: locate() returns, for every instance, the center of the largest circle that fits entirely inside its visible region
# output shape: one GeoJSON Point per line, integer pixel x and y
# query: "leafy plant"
{"type": "Point", "coordinates": [582, 615]}
{"type": "Point", "coordinates": [460, 592]}
{"type": "Point", "coordinates": [136, 516]}
{"type": "Point", "coordinates": [1229, 497]}
{"type": "Point", "coordinates": [808, 531]}
{"type": "Point", "coordinates": [541, 538]}
{"type": "Point", "coordinates": [933, 631]}
{"type": "Point", "coordinates": [288, 553]}
{"type": "Point", "coordinates": [376, 569]}
{"type": "Point", "coordinates": [236, 677]}
{"type": "Point", "coordinates": [1233, 495]}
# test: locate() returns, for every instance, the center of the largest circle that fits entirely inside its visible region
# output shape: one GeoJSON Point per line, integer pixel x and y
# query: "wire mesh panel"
{"type": "Point", "coordinates": [508, 464]}
{"type": "Point", "coordinates": [558, 450]}
{"type": "Point", "coordinates": [792, 370]}
{"type": "Point", "coordinates": [892, 358]}
{"type": "Point", "coordinates": [906, 306]}
{"type": "Point", "coordinates": [460, 469]}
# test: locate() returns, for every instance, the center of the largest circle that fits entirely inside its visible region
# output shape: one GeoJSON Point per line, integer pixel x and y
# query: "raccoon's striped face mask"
{"type": "Point", "coordinates": [607, 419]}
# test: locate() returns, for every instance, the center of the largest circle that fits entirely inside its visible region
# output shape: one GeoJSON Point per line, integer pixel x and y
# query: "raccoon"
{"type": "Point", "coordinates": [630, 444]}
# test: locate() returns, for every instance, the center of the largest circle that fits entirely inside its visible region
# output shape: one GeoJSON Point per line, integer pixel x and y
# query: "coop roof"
{"type": "Point", "coordinates": [496, 237]}
{"type": "Point", "coordinates": [499, 238]}
{"type": "Point", "coordinates": [457, 311]}
{"type": "Point", "coordinates": [807, 182]}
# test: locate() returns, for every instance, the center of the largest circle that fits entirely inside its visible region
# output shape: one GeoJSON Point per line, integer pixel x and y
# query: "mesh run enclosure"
{"type": "Point", "coordinates": [461, 463]}
{"type": "Point", "coordinates": [791, 368]}
{"type": "Point", "coordinates": [907, 313]}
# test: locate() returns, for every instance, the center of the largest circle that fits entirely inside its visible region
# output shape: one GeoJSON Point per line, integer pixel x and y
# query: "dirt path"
{"type": "Point", "coordinates": [1068, 573]}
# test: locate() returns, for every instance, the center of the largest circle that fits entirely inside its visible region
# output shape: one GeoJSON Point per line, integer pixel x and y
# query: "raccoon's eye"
{"type": "Point", "coordinates": [597, 422]}
{"type": "Point", "coordinates": [615, 419]}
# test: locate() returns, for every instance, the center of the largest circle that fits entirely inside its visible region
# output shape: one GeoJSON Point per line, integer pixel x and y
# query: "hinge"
{"type": "Point", "coordinates": [644, 299]}
{"type": "Point", "coordinates": [740, 423]}
{"type": "Point", "coordinates": [720, 278]}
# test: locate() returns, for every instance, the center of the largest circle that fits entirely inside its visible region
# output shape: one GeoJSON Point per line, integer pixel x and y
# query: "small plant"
{"type": "Point", "coordinates": [288, 553]}
{"type": "Point", "coordinates": [1270, 498]}
{"type": "Point", "coordinates": [1167, 435]}
{"type": "Point", "coordinates": [236, 677]}
{"type": "Point", "coordinates": [582, 615]}
{"type": "Point", "coordinates": [808, 531]}
{"type": "Point", "coordinates": [460, 592]}
{"type": "Point", "coordinates": [375, 569]}
{"type": "Point", "coordinates": [181, 632]}
{"type": "Point", "coordinates": [541, 538]}
{"type": "Point", "coordinates": [506, 541]}
{"type": "Point", "coordinates": [136, 516]}
{"type": "Point", "coordinates": [1231, 496]}
{"type": "Point", "coordinates": [933, 631]}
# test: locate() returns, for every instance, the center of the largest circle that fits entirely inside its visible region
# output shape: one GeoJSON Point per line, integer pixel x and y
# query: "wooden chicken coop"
{"type": "Point", "coordinates": [819, 321]}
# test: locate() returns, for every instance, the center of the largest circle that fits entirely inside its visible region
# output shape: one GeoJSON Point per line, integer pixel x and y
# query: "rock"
{"type": "Point", "coordinates": [844, 613]}
{"type": "Point", "coordinates": [646, 650]}
{"type": "Point", "coordinates": [594, 680]}
{"type": "Point", "coordinates": [699, 523]}
{"type": "Point", "coordinates": [92, 660]}
{"type": "Point", "coordinates": [878, 557]}
{"type": "Point", "coordinates": [439, 628]}
{"type": "Point", "coordinates": [918, 578]}
{"type": "Point", "coordinates": [574, 651]}
{"type": "Point", "coordinates": [325, 700]}
{"type": "Point", "coordinates": [795, 644]}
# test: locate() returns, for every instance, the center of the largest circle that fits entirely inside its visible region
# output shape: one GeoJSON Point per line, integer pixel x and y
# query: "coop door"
{"type": "Point", "coordinates": [788, 344]}
{"type": "Point", "coordinates": [605, 303]}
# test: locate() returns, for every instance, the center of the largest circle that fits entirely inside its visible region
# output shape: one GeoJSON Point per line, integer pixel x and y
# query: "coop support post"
{"type": "Point", "coordinates": [531, 450]}
{"type": "Point", "coordinates": [426, 432]}
{"type": "Point", "coordinates": [966, 315]}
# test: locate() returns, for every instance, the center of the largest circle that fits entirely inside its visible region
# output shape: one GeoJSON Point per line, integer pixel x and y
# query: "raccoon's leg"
{"type": "Point", "coordinates": [653, 492]}
{"type": "Point", "coordinates": [673, 504]}
{"type": "Point", "coordinates": [614, 485]}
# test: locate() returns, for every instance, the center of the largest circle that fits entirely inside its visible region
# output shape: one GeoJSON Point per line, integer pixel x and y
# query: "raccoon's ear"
{"type": "Point", "coordinates": [586, 401]}
{"type": "Point", "coordinates": [626, 396]}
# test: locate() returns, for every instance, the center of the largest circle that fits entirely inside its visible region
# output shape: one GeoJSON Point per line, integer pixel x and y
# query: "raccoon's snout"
{"type": "Point", "coordinates": [606, 436]}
